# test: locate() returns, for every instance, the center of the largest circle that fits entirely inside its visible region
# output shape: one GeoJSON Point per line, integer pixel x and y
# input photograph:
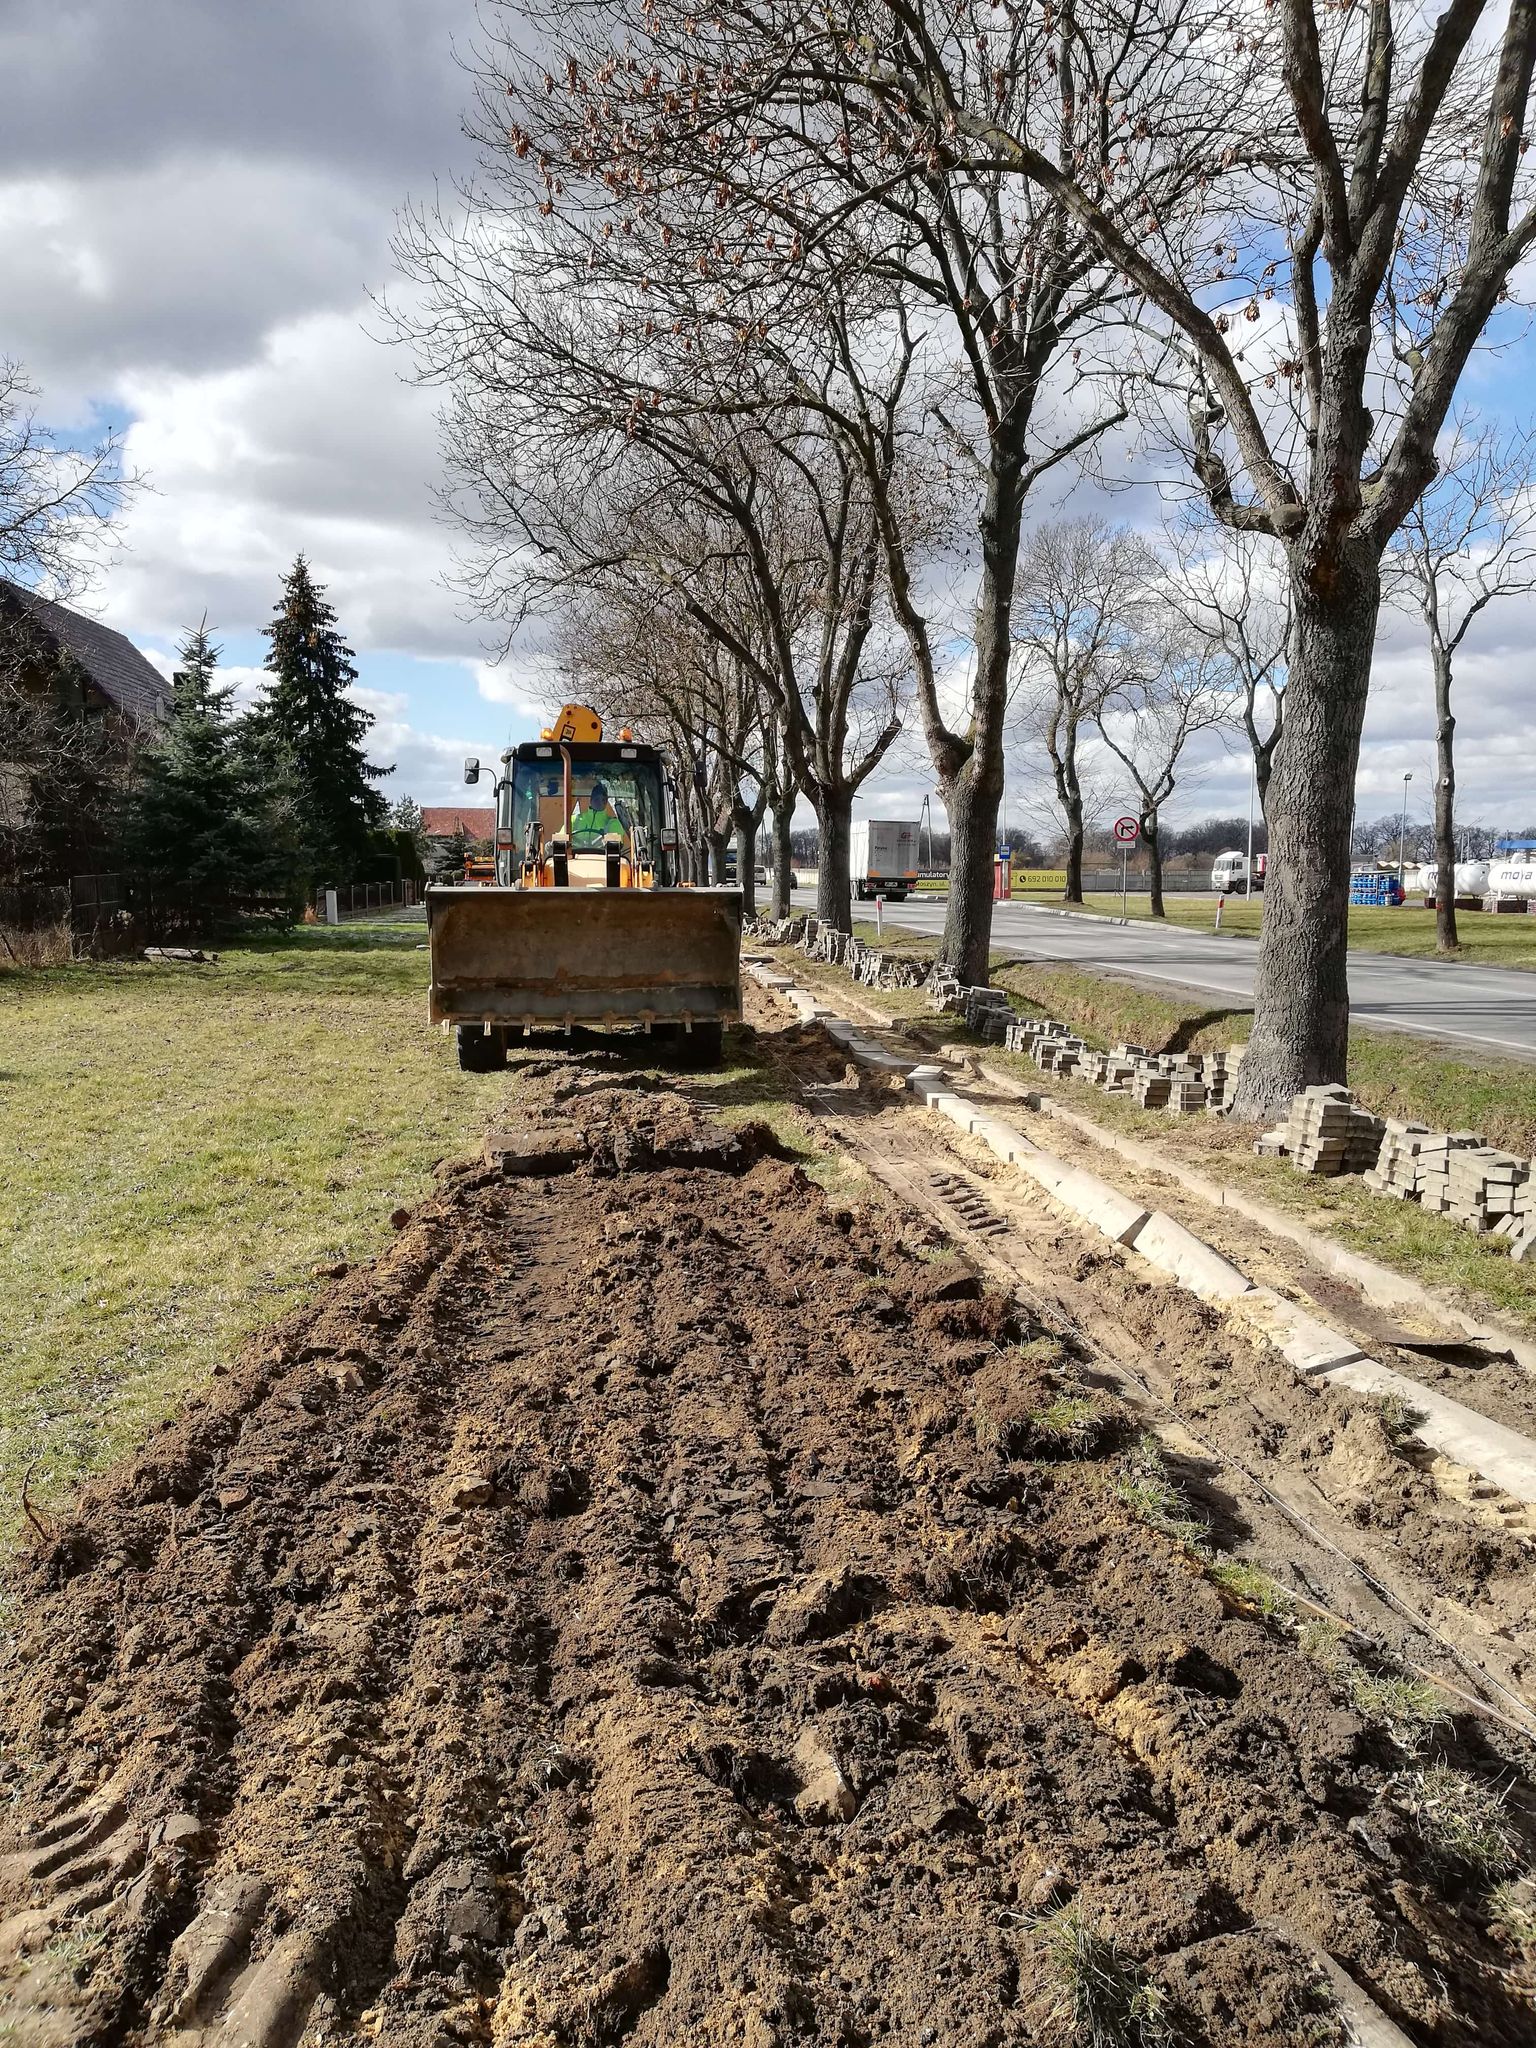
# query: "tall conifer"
{"type": "Point", "coordinates": [307, 733]}
{"type": "Point", "coordinates": [196, 816]}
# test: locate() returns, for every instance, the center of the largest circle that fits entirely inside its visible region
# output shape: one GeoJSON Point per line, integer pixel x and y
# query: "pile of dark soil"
{"type": "Point", "coordinates": [650, 1605]}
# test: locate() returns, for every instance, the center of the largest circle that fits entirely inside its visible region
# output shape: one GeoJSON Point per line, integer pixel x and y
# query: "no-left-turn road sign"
{"type": "Point", "coordinates": [1127, 831]}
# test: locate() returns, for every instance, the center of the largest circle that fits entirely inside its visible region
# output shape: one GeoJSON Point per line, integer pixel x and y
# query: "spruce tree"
{"type": "Point", "coordinates": [306, 734]}
{"type": "Point", "coordinates": [196, 818]}
{"type": "Point", "coordinates": [405, 816]}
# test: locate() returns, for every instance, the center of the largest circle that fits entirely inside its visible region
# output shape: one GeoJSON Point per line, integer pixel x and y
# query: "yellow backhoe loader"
{"type": "Point", "coordinates": [586, 923]}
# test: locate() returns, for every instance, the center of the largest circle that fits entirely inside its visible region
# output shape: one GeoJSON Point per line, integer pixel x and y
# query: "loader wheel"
{"type": "Point", "coordinates": [481, 1051]}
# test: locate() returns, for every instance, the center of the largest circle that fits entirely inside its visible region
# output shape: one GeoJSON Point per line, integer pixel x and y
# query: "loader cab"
{"type": "Point", "coordinates": [583, 814]}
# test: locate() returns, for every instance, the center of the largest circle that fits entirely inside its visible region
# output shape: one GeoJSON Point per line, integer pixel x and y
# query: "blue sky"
{"type": "Point", "coordinates": [196, 205]}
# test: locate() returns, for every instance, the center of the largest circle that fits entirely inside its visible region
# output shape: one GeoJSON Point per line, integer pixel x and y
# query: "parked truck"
{"type": "Point", "coordinates": [883, 858]}
{"type": "Point", "coordinates": [1229, 873]}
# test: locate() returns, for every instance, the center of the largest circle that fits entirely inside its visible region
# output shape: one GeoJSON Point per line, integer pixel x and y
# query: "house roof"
{"type": "Point", "coordinates": [109, 658]}
{"type": "Point", "coordinates": [441, 821]}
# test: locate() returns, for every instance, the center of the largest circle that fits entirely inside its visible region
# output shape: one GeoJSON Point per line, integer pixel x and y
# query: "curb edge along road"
{"type": "Point", "coordinates": [1313, 1349]}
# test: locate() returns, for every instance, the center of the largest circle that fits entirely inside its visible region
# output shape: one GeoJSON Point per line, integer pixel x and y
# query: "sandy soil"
{"type": "Point", "coordinates": [647, 1607]}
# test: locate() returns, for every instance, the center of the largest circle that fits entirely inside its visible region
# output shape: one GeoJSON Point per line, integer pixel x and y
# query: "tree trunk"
{"type": "Point", "coordinates": [1073, 892]}
{"type": "Point", "coordinates": [718, 844]}
{"type": "Point", "coordinates": [746, 862]}
{"type": "Point", "coordinates": [974, 795]}
{"type": "Point", "coordinates": [1301, 997]}
{"type": "Point", "coordinates": [1263, 767]}
{"type": "Point", "coordinates": [1154, 846]}
{"type": "Point", "coordinates": [1446, 939]}
{"type": "Point", "coordinates": [783, 860]}
{"type": "Point", "coordinates": [972, 812]}
{"type": "Point", "coordinates": [834, 814]}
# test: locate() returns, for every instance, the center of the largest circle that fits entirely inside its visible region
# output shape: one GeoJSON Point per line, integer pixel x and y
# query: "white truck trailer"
{"type": "Point", "coordinates": [883, 858]}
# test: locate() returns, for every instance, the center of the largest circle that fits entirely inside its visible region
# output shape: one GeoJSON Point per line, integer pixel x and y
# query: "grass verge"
{"type": "Point", "coordinates": [1497, 941]}
{"type": "Point", "coordinates": [1389, 1074]}
{"type": "Point", "coordinates": [180, 1146]}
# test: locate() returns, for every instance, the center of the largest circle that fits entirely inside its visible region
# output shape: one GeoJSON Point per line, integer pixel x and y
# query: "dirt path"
{"type": "Point", "coordinates": [654, 1605]}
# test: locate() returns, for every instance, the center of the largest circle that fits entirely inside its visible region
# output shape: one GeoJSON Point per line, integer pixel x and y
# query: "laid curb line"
{"type": "Point", "coordinates": [1313, 1349]}
{"type": "Point", "coordinates": [1378, 1283]}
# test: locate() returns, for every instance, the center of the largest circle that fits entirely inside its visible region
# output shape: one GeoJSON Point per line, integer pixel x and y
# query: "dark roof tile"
{"type": "Point", "coordinates": [109, 658]}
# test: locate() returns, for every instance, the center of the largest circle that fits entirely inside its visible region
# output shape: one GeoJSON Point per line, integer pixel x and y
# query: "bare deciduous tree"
{"type": "Point", "coordinates": [1083, 593]}
{"type": "Point", "coordinates": [1222, 594]}
{"type": "Point", "coordinates": [1469, 540]}
{"type": "Point", "coordinates": [755, 164]}
{"type": "Point", "coordinates": [1178, 687]}
{"type": "Point", "coordinates": [57, 503]}
{"type": "Point", "coordinates": [1381, 223]}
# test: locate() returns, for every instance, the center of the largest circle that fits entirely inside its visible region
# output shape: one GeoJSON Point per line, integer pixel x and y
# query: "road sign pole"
{"type": "Point", "coordinates": [1125, 855]}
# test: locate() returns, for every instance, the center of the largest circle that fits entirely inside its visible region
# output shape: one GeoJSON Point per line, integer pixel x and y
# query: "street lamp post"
{"type": "Point", "coordinates": [1402, 828]}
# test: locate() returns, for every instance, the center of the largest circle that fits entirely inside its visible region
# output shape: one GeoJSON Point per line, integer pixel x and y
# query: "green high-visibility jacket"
{"type": "Point", "coordinates": [595, 824]}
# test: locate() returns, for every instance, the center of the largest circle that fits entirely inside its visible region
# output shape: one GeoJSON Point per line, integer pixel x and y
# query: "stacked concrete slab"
{"type": "Point", "coordinates": [1326, 1133]}
{"type": "Point", "coordinates": [1057, 1054]}
{"type": "Point", "coordinates": [1482, 1184]}
{"type": "Point", "coordinates": [1150, 1087]}
{"type": "Point", "coordinates": [1220, 1071]}
{"type": "Point", "coordinates": [1434, 1167]}
{"type": "Point", "coordinates": [987, 1012]}
{"type": "Point", "coordinates": [867, 964]}
{"type": "Point", "coordinates": [1023, 1032]}
{"type": "Point", "coordinates": [1186, 1094]}
{"type": "Point", "coordinates": [1396, 1172]}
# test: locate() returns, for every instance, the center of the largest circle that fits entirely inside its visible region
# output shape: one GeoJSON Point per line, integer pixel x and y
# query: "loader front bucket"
{"type": "Point", "coordinates": [584, 956]}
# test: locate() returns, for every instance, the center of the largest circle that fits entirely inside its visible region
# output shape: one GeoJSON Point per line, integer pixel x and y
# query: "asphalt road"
{"type": "Point", "coordinates": [1492, 1007]}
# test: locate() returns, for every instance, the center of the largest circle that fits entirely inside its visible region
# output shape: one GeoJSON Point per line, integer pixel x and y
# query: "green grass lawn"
{"type": "Point", "coordinates": [1498, 941]}
{"type": "Point", "coordinates": [178, 1147]}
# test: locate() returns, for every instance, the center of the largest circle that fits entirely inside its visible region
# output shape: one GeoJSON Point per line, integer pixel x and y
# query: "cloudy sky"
{"type": "Point", "coordinates": [196, 201]}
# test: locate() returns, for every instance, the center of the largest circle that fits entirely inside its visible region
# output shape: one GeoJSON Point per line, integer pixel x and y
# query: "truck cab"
{"type": "Point", "coordinates": [1229, 874]}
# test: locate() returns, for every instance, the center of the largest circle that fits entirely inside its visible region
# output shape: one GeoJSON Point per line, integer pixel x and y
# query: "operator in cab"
{"type": "Point", "coordinates": [592, 824]}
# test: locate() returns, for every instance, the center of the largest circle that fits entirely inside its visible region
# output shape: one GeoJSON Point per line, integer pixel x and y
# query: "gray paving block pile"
{"type": "Point", "coordinates": [1326, 1132]}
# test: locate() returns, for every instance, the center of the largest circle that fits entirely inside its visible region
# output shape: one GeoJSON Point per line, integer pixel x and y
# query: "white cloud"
{"type": "Point", "coordinates": [183, 265]}
{"type": "Point", "coordinates": [428, 766]}
{"type": "Point", "coordinates": [316, 445]}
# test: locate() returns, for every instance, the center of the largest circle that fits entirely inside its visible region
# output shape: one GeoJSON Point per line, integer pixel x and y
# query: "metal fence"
{"type": "Point", "coordinates": [365, 899]}
{"type": "Point", "coordinates": [114, 915]}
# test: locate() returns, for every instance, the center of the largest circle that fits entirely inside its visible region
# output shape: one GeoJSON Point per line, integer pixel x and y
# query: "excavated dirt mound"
{"type": "Point", "coordinates": [648, 1606]}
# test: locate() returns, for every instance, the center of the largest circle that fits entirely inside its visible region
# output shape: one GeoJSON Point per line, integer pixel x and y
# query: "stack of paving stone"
{"type": "Point", "coordinates": [1186, 1092]}
{"type": "Point", "coordinates": [1057, 1055]}
{"type": "Point", "coordinates": [1023, 1032]}
{"type": "Point", "coordinates": [1396, 1172]}
{"type": "Point", "coordinates": [987, 1012]}
{"type": "Point", "coordinates": [945, 989]}
{"type": "Point", "coordinates": [1433, 1165]}
{"type": "Point", "coordinates": [1150, 1088]}
{"type": "Point", "coordinates": [1483, 1184]}
{"type": "Point", "coordinates": [1325, 1133]}
{"type": "Point", "coordinates": [1219, 1071]}
{"type": "Point", "coordinates": [1522, 1234]}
